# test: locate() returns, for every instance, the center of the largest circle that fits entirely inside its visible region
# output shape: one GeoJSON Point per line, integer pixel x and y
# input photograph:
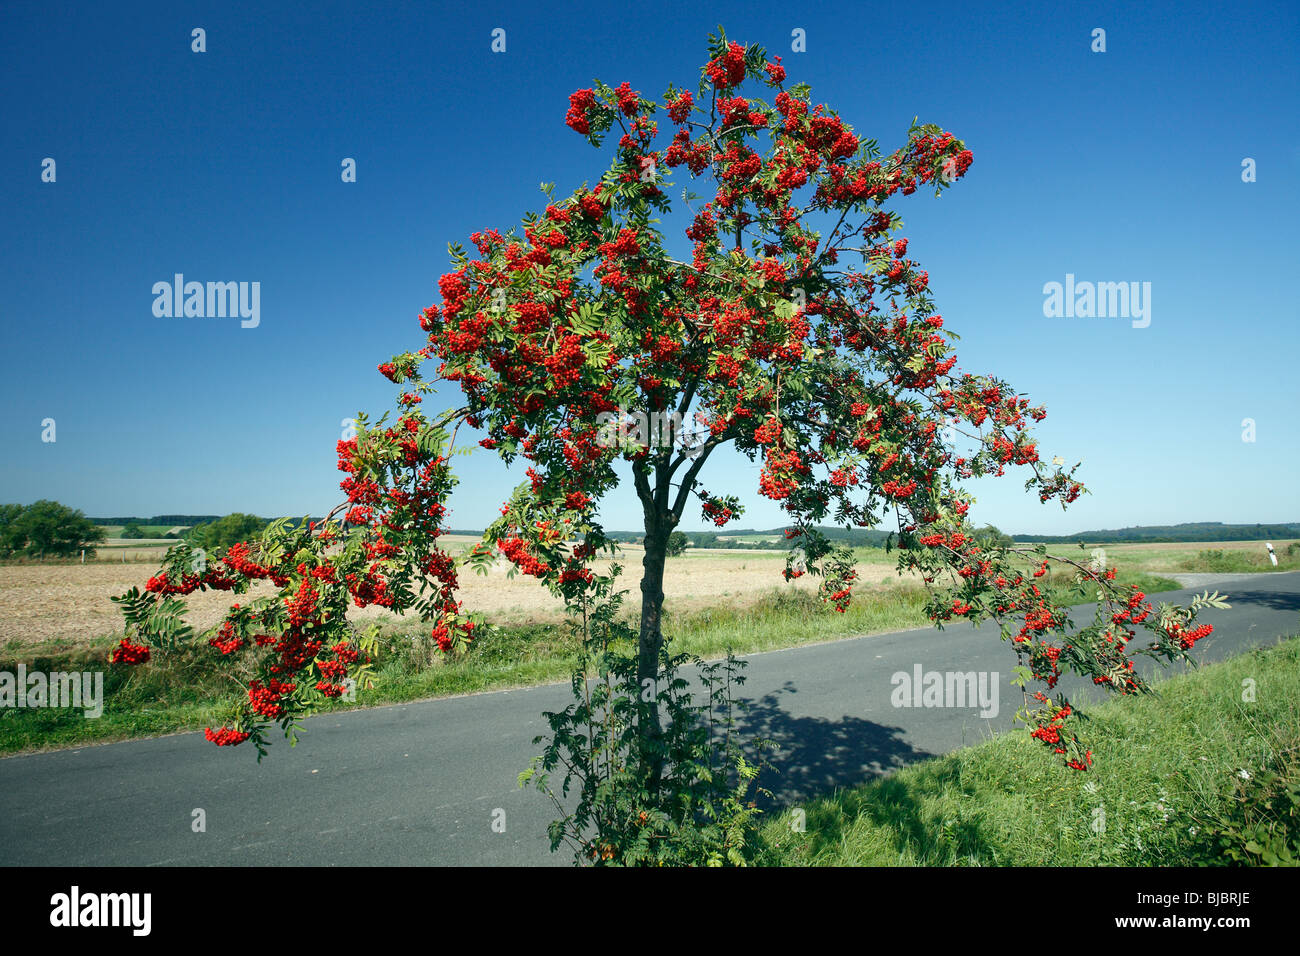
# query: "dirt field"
{"type": "Point", "coordinates": [64, 605]}
{"type": "Point", "coordinates": [69, 604]}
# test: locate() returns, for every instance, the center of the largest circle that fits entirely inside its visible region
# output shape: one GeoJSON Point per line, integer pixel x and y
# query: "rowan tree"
{"type": "Point", "coordinates": [797, 330]}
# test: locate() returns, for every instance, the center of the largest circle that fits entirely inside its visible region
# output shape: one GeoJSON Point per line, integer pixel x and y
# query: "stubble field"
{"type": "Point", "coordinates": [60, 606]}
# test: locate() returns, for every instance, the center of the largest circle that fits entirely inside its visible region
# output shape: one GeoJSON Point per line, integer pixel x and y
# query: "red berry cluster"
{"type": "Point", "coordinates": [579, 103]}
{"type": "Point", "coordinates": [128, 653]}
{"type": "Point", "coordinates": [1186, 638]}
{"type": "Point", "coordinates": [226, 640]}
{"type": "Point", "coordinates": [225, 737]}
{"type": "Point", "coordinates": [728, 70]}
{"type": "Point", "coordinates": [516, 550]}
{"type": "Point", "coordinates": [267, 700]}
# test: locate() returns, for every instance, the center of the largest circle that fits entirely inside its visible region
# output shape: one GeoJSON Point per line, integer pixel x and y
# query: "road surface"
{"type": "Point", "coordinates": [423, 783]}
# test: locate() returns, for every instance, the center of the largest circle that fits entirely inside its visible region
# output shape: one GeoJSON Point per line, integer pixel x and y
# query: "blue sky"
{"type": "Point", "coordinates": [225, 166]}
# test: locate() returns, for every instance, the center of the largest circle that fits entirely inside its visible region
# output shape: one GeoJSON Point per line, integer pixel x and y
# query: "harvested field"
{"type": "Point", "coordinates": [63, 605]}
{"type": "Point", "coordinates": [60, 605]}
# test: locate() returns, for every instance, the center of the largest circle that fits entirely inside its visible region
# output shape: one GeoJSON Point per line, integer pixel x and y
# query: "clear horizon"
{"type": "Point", "coordinates": [729, 531]}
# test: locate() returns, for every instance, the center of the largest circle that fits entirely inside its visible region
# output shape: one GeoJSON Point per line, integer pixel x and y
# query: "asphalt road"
{"type": "Point", "coordinates": [423, 783]}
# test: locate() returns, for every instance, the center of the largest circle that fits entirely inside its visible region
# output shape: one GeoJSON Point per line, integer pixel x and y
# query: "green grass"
{"type": "Point", "coordinates": [1165, 767]}
{"type": "Point", "coordinates": [183, 690]}
{"type": "Point", "coordinates": [114, 531]}
{"type": "Point", "coordinates": [1218, 560]}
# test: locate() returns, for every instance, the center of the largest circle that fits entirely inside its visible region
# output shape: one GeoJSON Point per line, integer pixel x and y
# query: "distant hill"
{"type": "Point", "coordinates": [1171, 533]}
{"type": "Point", "coordinates": [875, 538]}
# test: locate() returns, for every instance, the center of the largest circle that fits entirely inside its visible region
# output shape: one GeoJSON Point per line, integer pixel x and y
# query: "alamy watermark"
{"type": "Point", "coordinates": [84, 689]}
{"type": "Point", "coordinates": [959, 689]}
{"type": "Point", "coordinates": [1101, 300]}
{"type": "Point", "coordinates": [75, 908]}
{"type": "Point", "coordinates": [657, 430]}
{"type": "Point", "coordinates": [212, 300]}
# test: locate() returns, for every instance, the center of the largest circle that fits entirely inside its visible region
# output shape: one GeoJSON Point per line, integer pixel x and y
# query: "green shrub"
{"type": "Point", "coordinates": [665, 785]}
{"type": "Point", "coordinates": [226, 531]}
{"type": "Point", "coordinates": [1261, 825]}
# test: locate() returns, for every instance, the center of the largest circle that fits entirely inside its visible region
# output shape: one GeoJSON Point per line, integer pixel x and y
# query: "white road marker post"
{"type": "Point", "coordinates": [1272, 555]}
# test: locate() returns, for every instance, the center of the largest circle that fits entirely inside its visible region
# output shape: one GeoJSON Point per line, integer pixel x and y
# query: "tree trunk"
{"type": "Point", "coordinates": [651, 641]}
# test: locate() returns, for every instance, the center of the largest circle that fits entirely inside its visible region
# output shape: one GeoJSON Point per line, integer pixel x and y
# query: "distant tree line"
{"type": "Point", "coordinates": [992, 536]}
{"type": "Point", "coordinates": [215, 531]}
{"type": "Point", "coordinates": [210, 532]}
{"type": "Point", "coordinates": [170, 520]}
{"type": "Point", "coordinates": [47, 529]}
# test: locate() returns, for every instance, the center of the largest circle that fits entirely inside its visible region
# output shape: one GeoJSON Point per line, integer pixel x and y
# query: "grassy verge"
{"type": "Point", "coordinates": [1193, 775]}
{"type": "Point", "coordinates": [1219, 560]}
{"type": "Point", "coordinates": [184, 691]}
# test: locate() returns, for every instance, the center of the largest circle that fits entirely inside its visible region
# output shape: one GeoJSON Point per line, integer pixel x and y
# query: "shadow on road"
{"type": "Point", "coordinates": [1277, 600]}
{"type": "Point", "coordinates": [816, 754]}
{"type": "Point", "coordinates": [819, 756]}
